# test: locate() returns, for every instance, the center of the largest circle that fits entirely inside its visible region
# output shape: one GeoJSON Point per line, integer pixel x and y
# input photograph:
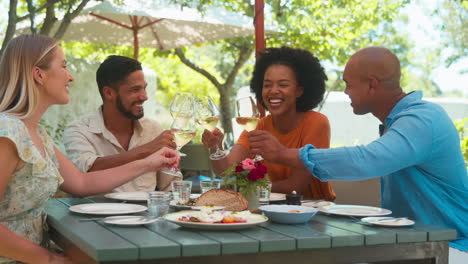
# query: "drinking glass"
{"type": "Point", "coordinates": [208, 185]}
{"type": "Point", "coordinates": [158, 203]}
{"type": "Point", "coordinates": [264, 194]}
{"type": "Point", "coordinates": [182, 105]}
{"type": "Point", "coordinates": [247, 115]}
{"type": "Point", "coordinates": [207, 115]}
{"type": "Point", "coordinates": [181, 191]}
{"type": "Point", "coordinates": [184, 130]}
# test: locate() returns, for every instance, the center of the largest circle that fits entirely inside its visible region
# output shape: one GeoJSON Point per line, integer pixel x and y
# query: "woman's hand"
{"type": "Point", "coordinates": [263, 143]}
{"type": "Point", "coordinates": [163, 158]}
{"type": "Point", "coordinates": [212, 139]}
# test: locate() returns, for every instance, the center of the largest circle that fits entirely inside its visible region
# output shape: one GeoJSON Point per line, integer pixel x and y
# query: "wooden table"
{"type": "Point", "coordinates": [325, 239]}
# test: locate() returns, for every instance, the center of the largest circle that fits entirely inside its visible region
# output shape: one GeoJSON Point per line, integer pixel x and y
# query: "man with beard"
{"type": "Point", "coordinates": [118, 133]}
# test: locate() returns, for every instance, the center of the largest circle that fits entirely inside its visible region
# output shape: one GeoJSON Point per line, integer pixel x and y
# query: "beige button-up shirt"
{"type": "Point", "coordinates": [88, 139]}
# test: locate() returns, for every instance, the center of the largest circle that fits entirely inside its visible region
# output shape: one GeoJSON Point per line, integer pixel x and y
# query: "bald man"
{"type": "Point", "coordinates": [418, 157]}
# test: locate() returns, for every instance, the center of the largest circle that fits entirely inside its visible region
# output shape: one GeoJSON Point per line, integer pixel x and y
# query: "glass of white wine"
{"type": "Point", "coordinates": [207, 115]}
{"type": "Point", "coordinates": [182, 106]}
{"type": "Point", "coordinates": [247, 115]}
{"type": "Point", "coordinates": [184, 130]}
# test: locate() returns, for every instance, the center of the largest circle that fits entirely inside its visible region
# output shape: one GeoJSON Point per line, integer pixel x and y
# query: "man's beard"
{"type": "Point", "coordinates": [127, 112]}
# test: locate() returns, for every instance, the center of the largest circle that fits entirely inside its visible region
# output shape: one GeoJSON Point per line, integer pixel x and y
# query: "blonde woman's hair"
{"type": "Point", "coordinates": [18, 91]}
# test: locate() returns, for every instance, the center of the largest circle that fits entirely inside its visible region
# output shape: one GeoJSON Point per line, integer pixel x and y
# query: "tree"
{"type": "Point", "coordinates": [332, 30]}
{"type": "Point", "coordinates": [23, 10]}
{"type": "Point", "coordinates": [453, 24]}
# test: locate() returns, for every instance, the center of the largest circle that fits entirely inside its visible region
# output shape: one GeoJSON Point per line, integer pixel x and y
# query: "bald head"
{"type": "Point", "coordinates": [379, 63]}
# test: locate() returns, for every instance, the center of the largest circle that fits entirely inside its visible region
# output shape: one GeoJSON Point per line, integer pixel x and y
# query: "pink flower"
{"type": "Point", "coordinates": [248, 164]}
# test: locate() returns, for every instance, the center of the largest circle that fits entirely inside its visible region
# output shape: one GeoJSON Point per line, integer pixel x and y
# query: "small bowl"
{"type": "Point", "coordinates": [288, 214]}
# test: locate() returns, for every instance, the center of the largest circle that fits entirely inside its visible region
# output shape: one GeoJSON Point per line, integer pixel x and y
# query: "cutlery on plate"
{"type": "Point", "coordinates": [390, 218]}
{"type": "Point", "coordinates": [128, 217]}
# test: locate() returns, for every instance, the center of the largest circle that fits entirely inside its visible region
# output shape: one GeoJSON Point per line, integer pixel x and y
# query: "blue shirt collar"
{"type": "Point", "coordinates": [402, 104]}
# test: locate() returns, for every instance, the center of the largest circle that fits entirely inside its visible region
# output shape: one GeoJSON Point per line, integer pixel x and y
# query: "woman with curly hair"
{"type": "Point", "coordinates": [289, 83]}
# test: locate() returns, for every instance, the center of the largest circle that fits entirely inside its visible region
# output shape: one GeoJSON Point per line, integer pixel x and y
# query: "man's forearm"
{"type": "Point", "coordinates": [290, 158]}
{"type": "Point", "coordinates": [116, 160]}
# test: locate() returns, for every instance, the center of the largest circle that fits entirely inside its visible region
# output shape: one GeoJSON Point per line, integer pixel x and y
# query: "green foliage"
{"type": "Point", "coordinates": [56, 131]}
{"type": "Point", "coordinates": [461, 127]}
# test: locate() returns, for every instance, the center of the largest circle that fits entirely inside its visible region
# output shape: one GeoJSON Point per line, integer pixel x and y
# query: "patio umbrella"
{"type": "Point", "coordinates": [155, 24]}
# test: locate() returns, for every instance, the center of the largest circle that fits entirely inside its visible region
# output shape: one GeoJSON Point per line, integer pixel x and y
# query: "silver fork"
{"type": "Point", "coordinates": [141, 218]}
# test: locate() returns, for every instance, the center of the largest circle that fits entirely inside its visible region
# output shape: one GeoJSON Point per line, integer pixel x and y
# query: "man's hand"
{"type": "Point", "coordinates": [212, 139]}
{"type": "Point", "coordinates": [263, 143]}
{"type": "Point", "coordinates": [165, 139]}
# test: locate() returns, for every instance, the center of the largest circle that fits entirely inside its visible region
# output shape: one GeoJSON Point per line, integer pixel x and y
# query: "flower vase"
{"type": "Point", "coordinates": [253, 199]}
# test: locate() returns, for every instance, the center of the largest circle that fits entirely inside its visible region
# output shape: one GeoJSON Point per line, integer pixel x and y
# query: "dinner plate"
{"type": "Point", "coordinates": [274, 197]}
{"type": "Point", "coordinates": [129, 221]}
{"type": "Point", "coordinates": [318, 203]}
{"type": "Point", "coordinates": [252, 220]}
{"type": "Point", "coordinates": [173, 204]}
{"type": "Point", "coordinates": [107, 208]}
{"type": "Point", "coordinates": [392, 222]}
{"type": "Point", "coordinates": [213, 208]}
{"type": "Point", "coordinates": [354, 210]}
{"type": "Point", "coordinates": [128, 196]}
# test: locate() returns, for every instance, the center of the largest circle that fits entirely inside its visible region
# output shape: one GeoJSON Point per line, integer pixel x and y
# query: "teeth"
{"type": "Point", "coordinates": [275, 101]}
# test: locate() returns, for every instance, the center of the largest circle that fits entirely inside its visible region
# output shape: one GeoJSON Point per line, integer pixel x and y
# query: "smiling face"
{"type": "Point", "coordinates": [56, 79]}
{"type": "Point", "coordinates": [357, 88]}
{"type": "Point", "coordinates": [280, 89]}
{"type": "Point", "coordinates": [131, 95]}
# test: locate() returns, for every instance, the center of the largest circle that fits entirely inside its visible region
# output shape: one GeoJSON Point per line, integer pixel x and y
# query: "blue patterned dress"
{"type": "Point", "coordinates": [22, 205]}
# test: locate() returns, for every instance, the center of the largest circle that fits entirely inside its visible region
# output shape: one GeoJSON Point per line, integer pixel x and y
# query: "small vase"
{"type": "Point", "coordinates": [253, 199]}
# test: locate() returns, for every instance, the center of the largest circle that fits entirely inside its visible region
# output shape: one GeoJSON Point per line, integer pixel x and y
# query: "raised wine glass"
{"type": "Point", "coordinates": [184, 130]}
{"type": "Point", "coordinates": [182, 106]}
{"type": "Point", "coordinates": [207, 115]}
{"type": "Point", "coordinates": [247, 115]}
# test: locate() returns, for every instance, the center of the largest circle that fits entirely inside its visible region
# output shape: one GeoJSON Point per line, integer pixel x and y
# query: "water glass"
{"type": "Point", "coordinates": [264, 194]}
{"type": "Point", "coordinates": [158, 203]}
{"type": "Point", "coordinates": [181, 191]}
{"type": "Point", "coordinates": [208, 185]}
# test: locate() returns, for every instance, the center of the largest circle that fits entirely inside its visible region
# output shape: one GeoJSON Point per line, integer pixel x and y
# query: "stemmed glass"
{"type": "Point", "coordinates": [207, 115]}
{"type": "Point", "coordinates": [247, 115]}
{"type": "Point", "coordinates": [184, 130]}
{"type": "Point", "coordinates": [182, 106]}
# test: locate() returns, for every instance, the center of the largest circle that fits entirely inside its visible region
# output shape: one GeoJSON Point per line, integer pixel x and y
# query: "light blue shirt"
{"type": "Point", "coordinates": [423, 173]}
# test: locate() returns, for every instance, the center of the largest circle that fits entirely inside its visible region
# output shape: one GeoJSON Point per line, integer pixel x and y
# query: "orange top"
{"type": "Point", "coordinates": [314, 129]}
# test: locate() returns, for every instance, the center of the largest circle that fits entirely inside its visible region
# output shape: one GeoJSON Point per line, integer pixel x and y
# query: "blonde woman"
{"type": "Point", "coordinates": [33, 76]}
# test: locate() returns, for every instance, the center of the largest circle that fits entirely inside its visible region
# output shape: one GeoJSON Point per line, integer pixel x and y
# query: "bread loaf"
{"type": "Point", "coordinates": [231, 200]}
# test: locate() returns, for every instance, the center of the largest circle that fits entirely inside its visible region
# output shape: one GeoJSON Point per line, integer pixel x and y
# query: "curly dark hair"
{"type": "Point", "coordinates": [309, 74]}
{"type": "Point", "coordinates": [114, 70]}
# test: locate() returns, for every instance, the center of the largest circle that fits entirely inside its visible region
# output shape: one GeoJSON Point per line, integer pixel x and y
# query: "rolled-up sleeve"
{"type": "Point", "coordinates": [79, 150]}
{"type": "Point", "coordinates": [405, 144]}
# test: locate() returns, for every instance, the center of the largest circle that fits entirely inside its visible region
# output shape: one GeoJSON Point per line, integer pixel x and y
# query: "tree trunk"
{"type": "Point", "coordinates": [11, 28]}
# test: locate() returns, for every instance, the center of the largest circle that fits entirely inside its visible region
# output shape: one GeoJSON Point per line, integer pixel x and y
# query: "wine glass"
{"type": "Point", "coordinates": [247, 115]}
{"type": "Point", "coordinates": [182, 105]}
{"type": "Point", "coordinates": [207, 115]}
{"type": "Point", "coordinates": [184, 130]}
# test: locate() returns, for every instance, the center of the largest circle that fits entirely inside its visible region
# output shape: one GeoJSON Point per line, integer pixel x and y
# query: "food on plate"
{"type": "Point", "coordinates": [217, 217]}
{"type": "Point", "coordinates": [294, 211]}
{"type": "Point", "coordinates": [190, 202]}
{"type": "Point", "coordinates": [231, 200]}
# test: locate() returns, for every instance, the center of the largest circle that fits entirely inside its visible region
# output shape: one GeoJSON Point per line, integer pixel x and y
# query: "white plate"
{"type": "Point", "coordinates": [388, 222]}
{"type": "Point", "coordinates": [213, 208]}
{"type": "Point", "coordinates": [128, 196]}
{"type": "Point", "coordinates": [107, 208]}
{"type": "Point", "coordinates": [277, 197]}
{"type": "Point", "coordinates": [354, 210]}
{"type": "Point", "coordinates": [253, 220]}
{"type": "Point", "coordinates": [318, 203]}
{"type": "Point", "coordinates": [173, 204]}
{"type": "Point", "coordinates": [128, 221]}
